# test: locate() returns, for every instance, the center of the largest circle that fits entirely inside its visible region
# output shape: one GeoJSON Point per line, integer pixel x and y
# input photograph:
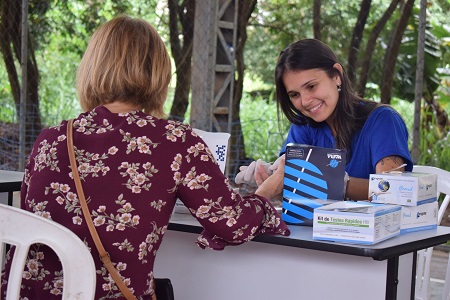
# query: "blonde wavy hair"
{"type": "Point", "coordinates": [126, 61]}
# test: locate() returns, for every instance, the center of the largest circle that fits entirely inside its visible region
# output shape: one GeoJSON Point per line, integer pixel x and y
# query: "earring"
{"type": "Point", "coordinates": [339, 88]}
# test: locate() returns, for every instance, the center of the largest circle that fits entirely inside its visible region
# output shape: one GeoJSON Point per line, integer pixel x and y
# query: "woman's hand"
{"type": "Point", "coordinates": [271, 186]}
{"type": "Point", "coordinates": [262, 172]}
{"type": "Point", "coordinates": [257, 170]}
{"type": "Point", "coordinates": [247, 174]}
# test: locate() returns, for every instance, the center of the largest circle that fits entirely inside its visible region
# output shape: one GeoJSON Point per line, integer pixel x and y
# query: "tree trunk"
{"type": "Point", "coordinates": [237, 139]}
{"type": "Point", "coordinates": [181, 16]}
{"type": "Point", "coordinates": [391, 54]}
{"type": "Point", "coordinates": [370, 47]}
{"type": "Point", "coordinates": [316, 19]}
{"type": "Point", "coordinates": [433, 108]}
{"type": "Point", "coordinates": [8, 59]}
{"type": "Point", "coordinates": [356, 39]}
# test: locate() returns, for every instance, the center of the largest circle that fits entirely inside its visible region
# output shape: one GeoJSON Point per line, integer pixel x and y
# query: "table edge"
{"type": "Point", "coordinates": [377, 251]}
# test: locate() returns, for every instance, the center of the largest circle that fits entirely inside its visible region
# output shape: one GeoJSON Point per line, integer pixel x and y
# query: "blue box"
{"type": "Point", "coordinates": [313, 177]}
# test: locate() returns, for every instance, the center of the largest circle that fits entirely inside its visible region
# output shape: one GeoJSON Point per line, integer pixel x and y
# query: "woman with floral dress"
{"type": "Point", "coordinates": [133, 165]}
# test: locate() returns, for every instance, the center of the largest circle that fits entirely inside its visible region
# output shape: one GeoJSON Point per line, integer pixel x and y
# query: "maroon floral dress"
{"type": "Point", "coordinates": [133, 168]}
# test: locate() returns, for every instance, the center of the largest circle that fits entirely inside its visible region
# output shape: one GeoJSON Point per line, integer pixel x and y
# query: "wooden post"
{"type": "Point", "coordinates": [213, 64]}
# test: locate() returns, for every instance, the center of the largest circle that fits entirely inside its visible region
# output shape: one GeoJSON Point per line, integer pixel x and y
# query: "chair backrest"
{"type": "Point", "coordinates": [22, 229]}
{"type": "Point", "coordinates": [443, 185]}
{"type": "Point", "coordinates": [423, 265]}
{"type": "Point", "coordinates": [217, 142]}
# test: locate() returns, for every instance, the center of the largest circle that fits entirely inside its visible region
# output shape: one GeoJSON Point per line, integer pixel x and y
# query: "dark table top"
{"type": "Point", "coordinates": [10, 181]}
{"type": "Point", "coordinates": [301, 237]}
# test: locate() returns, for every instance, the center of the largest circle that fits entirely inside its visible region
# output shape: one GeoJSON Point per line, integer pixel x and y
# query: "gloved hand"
{"type": "Point", "coordinates": [274, 166]}
{"type": "Point", "coordinates": [247, 173]}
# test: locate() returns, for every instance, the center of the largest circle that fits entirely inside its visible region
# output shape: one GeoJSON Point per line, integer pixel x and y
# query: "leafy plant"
{"type": "Point", "coordinates": [262, 135]}
{"type": "Point", "coordinates": [434, 144]}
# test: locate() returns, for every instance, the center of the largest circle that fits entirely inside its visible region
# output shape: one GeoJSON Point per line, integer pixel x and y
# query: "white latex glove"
{"type": "Point", "coordinates": [247, 173]}
{"type": "Point", "coordinates": [274, 166]}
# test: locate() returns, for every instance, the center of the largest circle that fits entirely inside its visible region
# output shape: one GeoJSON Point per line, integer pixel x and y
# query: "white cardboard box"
{"type": "Point", "coordinates": [421, 217]}
{"type": "Point", "coordinates": [409, 188]}
{"type": "Point", "coordinates": [356, 222]}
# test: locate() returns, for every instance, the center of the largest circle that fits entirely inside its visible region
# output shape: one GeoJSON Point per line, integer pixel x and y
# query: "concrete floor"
{"type": "Point", "coordinates": [438, 270]}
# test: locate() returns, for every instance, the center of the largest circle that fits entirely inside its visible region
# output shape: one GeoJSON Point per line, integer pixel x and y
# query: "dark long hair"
{"type": "Point", "coordinates": [351, 111]}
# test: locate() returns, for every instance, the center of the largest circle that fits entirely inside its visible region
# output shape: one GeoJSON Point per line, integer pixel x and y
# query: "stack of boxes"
{"type": "Point", "coordinates": [400, 203]}
{"type": "Point", "coordinates": [416, 193]}
{"type": "Point", "coordinates": [313, 196]}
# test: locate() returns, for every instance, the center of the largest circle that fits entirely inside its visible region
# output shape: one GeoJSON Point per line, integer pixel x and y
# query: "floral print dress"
{"type": "Point", "coordinates": [133, 168]}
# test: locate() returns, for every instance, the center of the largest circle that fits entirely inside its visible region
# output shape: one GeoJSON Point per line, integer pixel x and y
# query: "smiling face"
{"type": "Point", "coordinates": [313, 93]}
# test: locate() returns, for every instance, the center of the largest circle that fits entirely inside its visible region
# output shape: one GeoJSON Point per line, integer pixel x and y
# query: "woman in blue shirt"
{"type": "Point", "coordinates": [316, 96]}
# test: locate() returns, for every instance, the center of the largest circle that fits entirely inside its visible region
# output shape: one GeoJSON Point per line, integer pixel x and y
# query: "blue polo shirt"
{"type": "Point", "coordinates": [383, 134]}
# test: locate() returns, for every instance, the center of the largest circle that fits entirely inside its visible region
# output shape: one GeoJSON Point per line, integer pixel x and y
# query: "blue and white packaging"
{"type": "Point", "coordinates": [313, 177]}
{"type": "Point", "coordinates": [359, 222]}
{"type": "Point", "coordinates": [420, 217]}
{"type": "Point", "coordinates": [403, 188]}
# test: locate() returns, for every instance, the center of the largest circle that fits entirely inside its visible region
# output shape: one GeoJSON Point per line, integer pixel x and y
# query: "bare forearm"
{"type": "Point", "coordinates": [389, 163]}
{"type": "Point", "coordinates": [357, 189]}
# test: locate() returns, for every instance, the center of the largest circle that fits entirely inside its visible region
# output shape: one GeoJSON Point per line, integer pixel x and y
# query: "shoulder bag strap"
{"type": "Point", "coordinates": [87, 216]}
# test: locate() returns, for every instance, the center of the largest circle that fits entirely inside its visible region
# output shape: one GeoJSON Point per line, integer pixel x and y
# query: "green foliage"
{"type": "Point", "coordinates": [275, 24]}
{"type": "Point", "coordinates": [406, 110]}
{"type": "Point", "coordinates": [434, 144]}
{"type": "Point", "coordinates": [68, 27]}
{"type": "Point", "coordinates": [262, 135]}
{"type": "Point", "coordinates": [58, 98]}
{"type": "Point", "coordinates": [443, 92]}
{"type": "Point", "coordinates": [8, 109]}
{"type": "Point", "coordinates": [75, 21]}
{"type": "Point", "coordinates": [406, 75]}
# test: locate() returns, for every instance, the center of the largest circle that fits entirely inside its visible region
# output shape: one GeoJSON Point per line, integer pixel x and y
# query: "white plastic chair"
{"type": "Point", "coordinates": [422, 291]}
{"type": "Point", "coordinates": [22, 229]}
{"type": "Point", "coordinates": [217, 142]}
